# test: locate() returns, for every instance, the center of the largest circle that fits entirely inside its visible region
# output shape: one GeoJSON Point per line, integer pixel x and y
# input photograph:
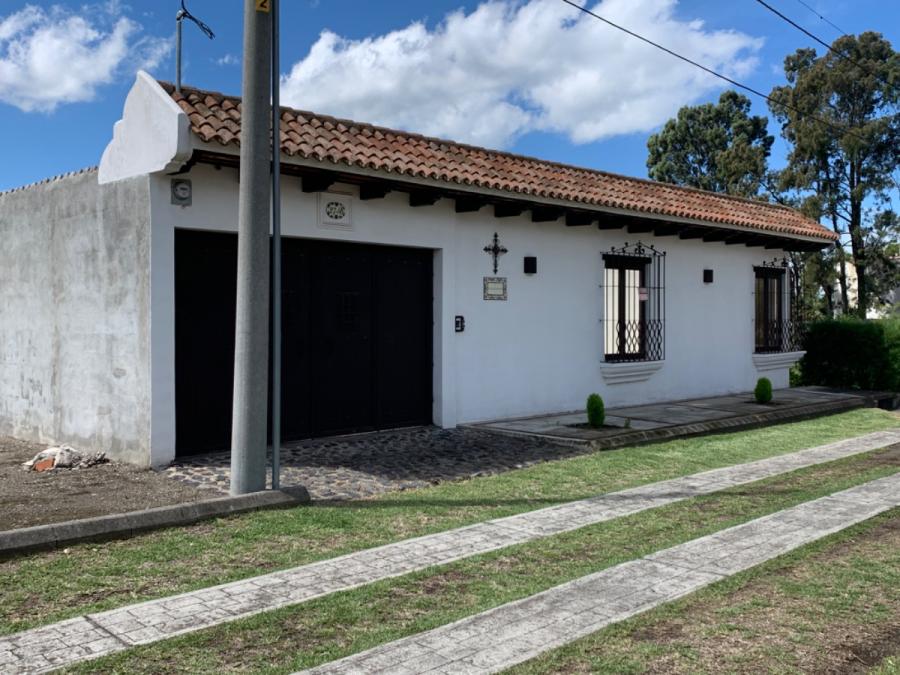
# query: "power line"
{"type": "Point", "coordinates": [836, 27]}
{"type": "Point", "coordinates": [185, 14]}
{"type": "Point", "coordinates": [731, 81]}
{"type": "Point", "coordinates": [827, 46]}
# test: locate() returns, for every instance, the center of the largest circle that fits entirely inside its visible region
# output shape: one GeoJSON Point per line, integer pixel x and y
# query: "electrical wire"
{"type": "Point", "coordinates": [836, 27]}
{"type": "Point", "coordinates": [206, 30]}
{"type": "Point", "coordinates": [827, 46]}
{"type": "Point", "coordinates": [731, 81]}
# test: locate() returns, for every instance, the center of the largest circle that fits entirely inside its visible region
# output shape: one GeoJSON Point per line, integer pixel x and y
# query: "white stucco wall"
{"type": "Point", "coordinates": [541, 350]}
{"type": "Point", "coordinates": [75, 316]}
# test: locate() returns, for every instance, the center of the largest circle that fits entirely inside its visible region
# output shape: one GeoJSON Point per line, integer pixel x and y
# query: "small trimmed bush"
{"type": "Point", "coordinates": [595, 411]}
{"type": "Point", "coordinates": [852, 354]}
{"type": "Point", "coordinates": [763, 391]}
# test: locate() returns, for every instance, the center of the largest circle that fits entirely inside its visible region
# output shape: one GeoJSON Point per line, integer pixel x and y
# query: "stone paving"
{"type": "Point", "coordinates": [504, 636]}
{"type": "Point", "coordinates": [356, 467]}
{"type": "Point", "coordinates": [93, 635]}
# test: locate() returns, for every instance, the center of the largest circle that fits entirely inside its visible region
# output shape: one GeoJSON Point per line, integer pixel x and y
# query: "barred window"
{"type": "Point", "coordinates": [634, 303]}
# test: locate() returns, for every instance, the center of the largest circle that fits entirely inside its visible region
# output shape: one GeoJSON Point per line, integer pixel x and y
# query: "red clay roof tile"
{"type": "Point", "coordinates": [216, 117]}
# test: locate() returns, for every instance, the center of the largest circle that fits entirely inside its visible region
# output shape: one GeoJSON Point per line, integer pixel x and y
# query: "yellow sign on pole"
{"type": "Point", "coordinates": [263, 6]}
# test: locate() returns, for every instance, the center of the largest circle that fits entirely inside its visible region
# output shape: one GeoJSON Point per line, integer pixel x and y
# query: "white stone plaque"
{"type": "Point", "coordinates": [495, 288]}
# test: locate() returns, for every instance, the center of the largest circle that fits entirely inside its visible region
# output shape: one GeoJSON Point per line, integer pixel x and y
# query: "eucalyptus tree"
{"type": "Point", "coordinates": [840, 114]}
{"type": "Point", "coordinates": [717, 147]}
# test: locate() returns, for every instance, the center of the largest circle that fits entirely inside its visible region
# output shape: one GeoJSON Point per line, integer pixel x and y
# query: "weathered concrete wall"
{"type": "Point", "coordinates": [75, 315]}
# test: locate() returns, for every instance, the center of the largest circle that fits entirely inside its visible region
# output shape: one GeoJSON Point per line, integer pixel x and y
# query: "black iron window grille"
{"type": "Point", "coordinates": [634, 303]}
{"type": "Point", "coordinates": [775, 328]}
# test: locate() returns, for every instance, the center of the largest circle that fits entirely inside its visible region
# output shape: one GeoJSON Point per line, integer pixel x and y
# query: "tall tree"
{"type": "Point", "coordinates": [840, 113]}
{"type": "Point", "coordinates": [883, 245]}
{"type": "Point", "coordinates": [718, 147]}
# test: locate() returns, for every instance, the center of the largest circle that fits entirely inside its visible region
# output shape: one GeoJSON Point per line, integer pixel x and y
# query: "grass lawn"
{"type": "Point", "coordinates": [92, 577]}
{"type": "Point", "coordinates": [348, 622]}
{"type": "Point", "coordinates": [890, 666]}
{"type": "Point", "coordinates": [832, 607]}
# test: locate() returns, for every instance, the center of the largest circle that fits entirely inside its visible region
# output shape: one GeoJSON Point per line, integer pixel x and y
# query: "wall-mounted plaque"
{"type": "Point", "coordinates": [495, 288]}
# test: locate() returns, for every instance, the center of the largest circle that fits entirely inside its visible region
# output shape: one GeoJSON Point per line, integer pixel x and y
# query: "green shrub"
{"type": "Point", "coordinates": [795, 375]}
{"type": "Point", "coordinates": [852, 354]}
{"type": "Point", "coordinates": [763, 391]}
{"type": "Point", "coordinates": [595, 411]}
{"type": "Point", "coordinates": [892, 340]}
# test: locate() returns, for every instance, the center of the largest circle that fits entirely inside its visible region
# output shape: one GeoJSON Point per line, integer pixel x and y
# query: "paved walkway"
{"type": "Point", "coordinates": [504, 636]}
{"type": "Point", "coordinates": [356, 467]}
{"type": "Point", "coordinates": [659, 421]}
{"type": "Point", "coordinates": [93, 635]}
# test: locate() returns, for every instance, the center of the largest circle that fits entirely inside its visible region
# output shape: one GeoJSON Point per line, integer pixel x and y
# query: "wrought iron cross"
{"type": "Point", "coordinates": [495, 250]}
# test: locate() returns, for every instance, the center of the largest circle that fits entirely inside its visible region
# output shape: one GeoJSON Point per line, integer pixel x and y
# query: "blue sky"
{"type": "Point", "coordinates": [523, 75]}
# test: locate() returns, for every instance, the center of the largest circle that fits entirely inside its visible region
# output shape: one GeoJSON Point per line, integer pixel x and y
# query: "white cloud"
{"type": "Point", "coordinates": [54, 56]}
{"type": "Point", "coordinates": [228, 60]}
{"type": "Point", "coordinates": [510, 67]}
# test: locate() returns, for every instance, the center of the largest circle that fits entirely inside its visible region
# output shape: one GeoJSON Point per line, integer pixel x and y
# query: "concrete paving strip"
{"type": "Point", "coordinates": [56, 645]}
{"type": "Point", "coordinates": [504, 636]}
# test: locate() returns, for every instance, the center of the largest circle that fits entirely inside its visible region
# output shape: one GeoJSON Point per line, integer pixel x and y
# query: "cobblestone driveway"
{"type": "Point", "coordinates": [361, 466]}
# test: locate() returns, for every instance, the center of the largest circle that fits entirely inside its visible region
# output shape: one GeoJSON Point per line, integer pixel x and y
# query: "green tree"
{"type": "Point", "coordinates": [840, 113]}
{"type": "Point", "coordinates": [883, 245]}
{"type": "Point", "coordinates": [718, 147]}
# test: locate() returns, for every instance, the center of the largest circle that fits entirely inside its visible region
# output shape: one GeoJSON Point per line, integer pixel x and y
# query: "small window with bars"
{"type": "Point", "coordinates": [634, 304]}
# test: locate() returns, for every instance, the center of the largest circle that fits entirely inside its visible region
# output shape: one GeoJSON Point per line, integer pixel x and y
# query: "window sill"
{"type": "Point", "coordinates": [634, 371]}
{"type": "Point", "coordinates": [776, 360]}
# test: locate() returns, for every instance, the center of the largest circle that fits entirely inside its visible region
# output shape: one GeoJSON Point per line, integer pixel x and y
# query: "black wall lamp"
{"type": "Point", "coordinates": [707, 276]}
{"type": "Point", "coordinates": [530, 264]}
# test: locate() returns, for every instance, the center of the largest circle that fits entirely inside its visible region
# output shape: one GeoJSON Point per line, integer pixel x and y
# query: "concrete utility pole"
{"type": "Point", "coordinates": [251, 354]}
{"type": "Point", "coordinates": [276, 247]}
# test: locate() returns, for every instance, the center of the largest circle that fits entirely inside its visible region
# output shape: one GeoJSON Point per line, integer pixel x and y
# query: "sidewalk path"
{"type": "Point", "coordinates": [93, 635]}
{"type": "Point", "coordinates": [504, 636]}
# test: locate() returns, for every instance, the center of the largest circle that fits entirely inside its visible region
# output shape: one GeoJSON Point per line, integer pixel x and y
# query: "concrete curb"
{"type": "Point", "coordinates": [729, 424]}
{"type": "Point", "coordinates": [740, 423]}
{"type": "Point", "coordinates": [122, 525]}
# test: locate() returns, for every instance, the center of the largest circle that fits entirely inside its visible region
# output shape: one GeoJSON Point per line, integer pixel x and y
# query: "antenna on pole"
{"type": "Point", "coordinates": [183, 14]}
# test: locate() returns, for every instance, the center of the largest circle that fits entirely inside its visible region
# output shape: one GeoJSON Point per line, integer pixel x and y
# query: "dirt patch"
{"type": "Point", "coordinates": [889, 456]}
{"type": "Point", "coordinates": [29, 498]}
{"type": "Point", "coordinates": [796, 618]}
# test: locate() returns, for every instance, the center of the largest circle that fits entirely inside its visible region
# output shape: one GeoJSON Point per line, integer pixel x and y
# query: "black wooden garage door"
{"type": "Point", "coordinates": [357, 352]}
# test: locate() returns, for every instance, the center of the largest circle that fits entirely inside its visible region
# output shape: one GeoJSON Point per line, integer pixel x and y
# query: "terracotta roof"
{"type": "Point", "coordinates": [216, 118]}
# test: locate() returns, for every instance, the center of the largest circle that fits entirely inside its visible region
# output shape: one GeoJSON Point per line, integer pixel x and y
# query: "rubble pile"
{"type": "Point", "coordinates": [63, 457]}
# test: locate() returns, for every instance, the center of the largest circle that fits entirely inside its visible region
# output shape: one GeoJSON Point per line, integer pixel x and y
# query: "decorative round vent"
{"type": "Point", "coordinates": [335, 210]}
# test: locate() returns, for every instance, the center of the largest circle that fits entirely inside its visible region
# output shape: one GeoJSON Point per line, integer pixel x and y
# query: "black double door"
{"type": "Point", "coordinates": [357, 348]}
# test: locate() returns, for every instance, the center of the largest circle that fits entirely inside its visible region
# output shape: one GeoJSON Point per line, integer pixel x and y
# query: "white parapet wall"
{"type": "Point", "coordinates": [153, 135]}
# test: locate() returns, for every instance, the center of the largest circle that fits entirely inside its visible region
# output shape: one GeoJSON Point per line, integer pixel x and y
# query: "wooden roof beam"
{"type": "Point", "coordinates": [666, 230]}
{"type": "Point", "coordinates": [693, 233]}
{"type": "Point", "coordinates": [717, 235]}
{"type": "Point", "coordinates": [469, 204]}
{"type": "Point", "coordinates": [639, 227]}
{"type": "Point", "coordinates": [369, 191]}
{"type": "Point", "coordinates": [317, 182]}
{"type": "Point", "coordinates": [739, 238]}
{"type": "Point", "coordinates": [757, 240]}
{"type": "Point", "coordinates": [546, 214]}
{"type": "Point", "coordinates": [508, 209]}
{"type": "Point", "coordinates": [578, 218]}
{"type": "Point", "coordinates": [423, 198]}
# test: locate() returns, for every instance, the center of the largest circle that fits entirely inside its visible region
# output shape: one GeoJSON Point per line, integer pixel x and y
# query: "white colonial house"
{"type": "Point", "coordinates": [425, 282]}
